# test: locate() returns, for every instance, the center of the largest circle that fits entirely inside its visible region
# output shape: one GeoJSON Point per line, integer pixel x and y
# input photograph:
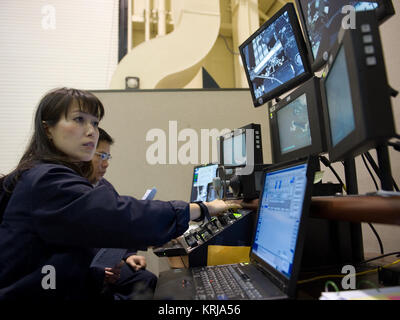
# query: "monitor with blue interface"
{"type": "Point", "coordinates": [296, 124]}
{"type": "Point", "coordinates": [280, 213]}
{"type": "Point", "coordinates": [355, 92]}
{"type": "Point", "coordinates": [202, 178]}
{"type": "Point", "coordinates": [274, 57]}
{"type": "Point", "coordinates": [322, 20]}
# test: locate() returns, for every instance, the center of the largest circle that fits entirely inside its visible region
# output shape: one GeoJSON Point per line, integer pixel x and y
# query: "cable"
{"type": "Point", "coordinates": [377, 237]}
{"type": "Point", "coordinates": [335, 276]}
{"type": "Point", "coordinates": [370, 172]}
{"type": "Point", "coordinates": [332, 284]}
{"type": "Point", "coordinates": [227, 46]}
{"type": "Point", "coordinates": [377, 170]}
{"type": "Point", "coordinates": [344, 275]}
{"type": "Point", "coordinates": [379, 257]}
{"type": "Point", "coordinates": [327, 164]}
{"type": "Point", "coordinates": [377, 188]}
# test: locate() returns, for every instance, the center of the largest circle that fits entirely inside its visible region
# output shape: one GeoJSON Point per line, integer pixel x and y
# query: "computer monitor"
{"type": "Point", "coordinates": [241, 147]}
{"type": "Point", "coordinates": [282, 217]}
{"type": "Point", "coordinates": [296, 124]}
{"type": "Point", "coordinates": [355, 92]}
{"type": "Point", "coordinates": [203, 176]}
{"type": "Point", "coordinates": [322, 19]}
{"type": "Point", "coordinates": [274, 57]}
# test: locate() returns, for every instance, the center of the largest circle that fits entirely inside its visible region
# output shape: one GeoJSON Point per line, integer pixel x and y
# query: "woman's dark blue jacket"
{"type": "Point", "coordinates": [55, 217]}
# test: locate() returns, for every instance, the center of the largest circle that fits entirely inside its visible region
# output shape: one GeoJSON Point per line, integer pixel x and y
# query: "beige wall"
{"type": "Point", "coordinates": [131, 115]}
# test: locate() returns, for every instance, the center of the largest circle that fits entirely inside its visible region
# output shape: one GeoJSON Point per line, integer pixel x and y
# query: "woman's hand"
{"type": "Point", "coordinates": [217, 207]}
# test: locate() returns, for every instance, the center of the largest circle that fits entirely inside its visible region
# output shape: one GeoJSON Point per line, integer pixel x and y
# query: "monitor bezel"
{"type": "Point", "coordinates": [316, 121]}
{"type": "Point", "coordinates": [194, 170]}
{"type": "Point", "coordinates": [373, 126]}
{"type": "Point", "coordinates": [278, 91]}
{"type": "Point", "coordinates": [383, 13]}
{"type": "Point", "coordinates": [231, 135]}
{"type": "Point", "coordinates": [258, 152]}
{"type": "Point", "coordinates": [288, 285]}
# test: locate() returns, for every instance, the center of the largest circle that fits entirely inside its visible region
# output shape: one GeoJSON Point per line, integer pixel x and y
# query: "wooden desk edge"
{"type": "Point", "coordinates": [378, 209]}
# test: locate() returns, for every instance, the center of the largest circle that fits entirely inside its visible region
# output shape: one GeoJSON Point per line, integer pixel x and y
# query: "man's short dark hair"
{"type": "Point", "coordinates": [104, 136]}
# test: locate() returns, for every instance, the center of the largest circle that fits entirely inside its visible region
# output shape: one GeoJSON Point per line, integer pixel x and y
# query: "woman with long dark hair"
{"type": "Point", "coordinates": [52, 216]}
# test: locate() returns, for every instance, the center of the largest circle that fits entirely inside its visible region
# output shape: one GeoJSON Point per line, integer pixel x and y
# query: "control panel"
{"type": "Point", "coordinates": [209, 232]}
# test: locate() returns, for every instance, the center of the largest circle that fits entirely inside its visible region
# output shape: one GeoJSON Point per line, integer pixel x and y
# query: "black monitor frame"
{"type": "Point", "coordinates": [384, 11]}
{"type": "Point", "coordinates": [281, 89]}
{"type": "Point", "coordinates": [369, 89]}
{"type": "Point", "coordinates": [257, 145]}
{"type": "Point", "coordinates": [311, 89]}
{"type": "Point", "coordinates": [289, 284]}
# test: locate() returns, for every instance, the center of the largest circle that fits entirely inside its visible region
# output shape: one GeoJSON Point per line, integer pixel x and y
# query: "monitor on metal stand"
{"type": "Point", "coordinates": [275, 57]}
{"type": "Point", "coordinates": [321, 21]}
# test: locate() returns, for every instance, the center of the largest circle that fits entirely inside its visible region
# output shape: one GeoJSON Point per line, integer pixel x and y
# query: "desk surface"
{"type": "Point", "coordinates": [367, 279]}
{"type": "Point", "coordinates": [357, 208]}
{"type": "Point", "coordinates": [376, 209]}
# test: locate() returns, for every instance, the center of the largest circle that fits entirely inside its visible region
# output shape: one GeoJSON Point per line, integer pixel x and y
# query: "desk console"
{"type": "Point", "coordinates": [233, 228]}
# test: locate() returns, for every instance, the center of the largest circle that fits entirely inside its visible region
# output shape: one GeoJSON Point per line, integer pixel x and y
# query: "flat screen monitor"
{"type": "Point", "coordinates": [234, 148]}
{"type": "Point", "coordinates": [274, 57]}
{"type": "Point", "coordinates": [355, 92]}
{"type": "Point", "coordinates": [322, 19]}
{"type": "Point", "coordinates": [202, 179]}
{"type": "Point", "coordinates": [279, 217]}
{"type": "Point", "coordinates": [296, 124]}
{"type": "Point", "coordinates": [282, 219]}
{"type": "Point", "coordinates": [241, 147]}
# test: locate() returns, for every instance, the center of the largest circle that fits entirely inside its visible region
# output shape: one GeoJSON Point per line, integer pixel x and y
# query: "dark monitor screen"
{"type": "Point", "coordinates": [296, 124]}
{"type": "Point", "coordinates": [274, 57]}
{"type": "Point", "coordinates": [322, 20]}
{"type": "Point", "coordinates": [339, 100]}
{"type": "Point", "coordinates": [202, 177]}
{"type": "Point", "coordinates": [241, 147]}
{"type": "Point", "coordinates": [234, 148]}
{"type": "Point", "coordinates": [355, 92]}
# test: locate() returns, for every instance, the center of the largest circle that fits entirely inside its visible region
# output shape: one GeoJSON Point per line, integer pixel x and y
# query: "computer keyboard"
{"type": "Point", "coordinates": [225, 282]}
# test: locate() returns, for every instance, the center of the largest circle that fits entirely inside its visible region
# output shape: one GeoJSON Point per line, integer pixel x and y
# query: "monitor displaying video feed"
{"type": "Point", "coordinates": [296, 124]}
{"type": "Point", "coordinates": [202, 179]}
{"type": "Point", "coordinates": [322, 20]}
{"type": "Point", "coordinates": [274, 57]}
{"type": "Point", "coordinates": [355, 83]}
